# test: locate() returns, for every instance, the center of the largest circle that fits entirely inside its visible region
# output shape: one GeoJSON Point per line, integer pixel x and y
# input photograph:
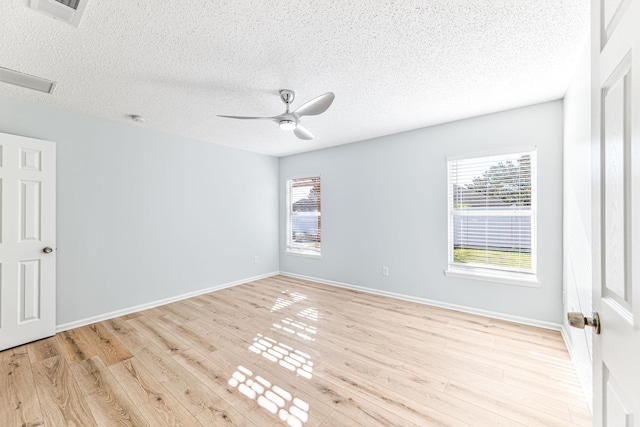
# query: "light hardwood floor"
{"type": "Point", "coordinates": [284, 351]}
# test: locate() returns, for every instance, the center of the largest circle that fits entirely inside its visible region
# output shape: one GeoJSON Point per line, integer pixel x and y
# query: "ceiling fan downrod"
{"type": "Point", "coordinates": [287, 96]}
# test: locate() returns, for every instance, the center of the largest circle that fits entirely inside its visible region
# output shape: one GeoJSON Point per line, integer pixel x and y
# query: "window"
{"type": "Point", "coordinates": [492, 217]}
{"type": "Point", "coordinates": [303, 216]}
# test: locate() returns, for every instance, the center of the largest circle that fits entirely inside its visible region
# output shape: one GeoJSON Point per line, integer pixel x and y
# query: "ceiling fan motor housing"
{"type": "Point", "coordinates": [287, 96]}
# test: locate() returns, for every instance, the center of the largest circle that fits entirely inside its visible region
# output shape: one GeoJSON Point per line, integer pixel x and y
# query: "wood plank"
{"type": "Point", "coordinates": [505, 358]}
{"type": "Point", "coordinates": [422, 406]}
{"type": "Point", "coordinates": [217, 380]}
{"type": "Point", "coordinates": [580, 416]}
{"type": "Point", "coordinates": [62, 402]}
{"type": "Point", "coordinates": [126, 334]}
{"type": "Point", "coordinates": [195, 340]}
{"type": "Point", "coordinates": [104, 344]}
{"type": "Point", "coordinates": [338, 419]}
{"type": "Point", "coordinates": [198, 399]}
{"type": "Point", "coordinates": [43, 349]}
{"type": "Point", "coordinates": [549, 348]}
{"type": "Point", "coordinates": [19, 405]}
{"type": "Point", "coordinates": [528, 397]}
{"type": "Point", "coordinates": [74, 346]}
{"type": "Point", "coordinates": [546, 385]}
{"type": "Point", "coordinates": [179, 312]}
{"type": "Point", "coordinates": [505, 407]}
{"type": "Point", "coordinates": [153, 400]}
{"type": "Point", "coordinates": [159, 335]}
{"type": "Point", "coordinates": [109, 403]}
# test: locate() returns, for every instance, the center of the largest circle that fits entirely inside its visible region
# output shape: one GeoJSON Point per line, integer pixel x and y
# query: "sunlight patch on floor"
{"type": "Point", "coordinates": [309, 313]}
{"type": "Point", "coordinates": [289, 358]}
{"type": "Point", "coordinates": [292, 410]}
{"type": "Point", "coordinates": [284, 302]}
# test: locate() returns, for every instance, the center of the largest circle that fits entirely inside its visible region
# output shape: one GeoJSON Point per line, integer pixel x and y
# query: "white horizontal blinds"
{"type": "Point", "coordinates": [73, 4]}
{"type": "Point", "coordinates": [305, 221]}
{"type": "Point", "coordinates": [492, 212]}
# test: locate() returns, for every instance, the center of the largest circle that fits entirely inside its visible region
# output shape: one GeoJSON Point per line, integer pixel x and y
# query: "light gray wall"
{"type": "Point", "coordinates": [384, 202]}
{"type": "Point", "coordinates": [143, 215]}
{"type": "Point", "coordinates": [577, 275]}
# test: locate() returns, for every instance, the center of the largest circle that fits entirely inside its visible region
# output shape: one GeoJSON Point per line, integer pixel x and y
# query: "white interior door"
{"type": "Point", "coordinates": [27, 232]}
{"type": "Point", "coordinates": [615, 32]}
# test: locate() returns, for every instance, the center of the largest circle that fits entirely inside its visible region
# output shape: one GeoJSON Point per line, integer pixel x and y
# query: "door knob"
{"type": "Point", "coordinates": [578, 320]}
{"type": "Point", "coordinates": [47, 250]}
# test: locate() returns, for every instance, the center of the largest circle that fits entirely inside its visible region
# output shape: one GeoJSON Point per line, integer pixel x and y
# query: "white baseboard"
{"type": "Point", "coordinates": [465, 309]}
{"type": "Point", "coordinates": [455, 307]}
{"type": "Point", "coordinates": [146, 306]}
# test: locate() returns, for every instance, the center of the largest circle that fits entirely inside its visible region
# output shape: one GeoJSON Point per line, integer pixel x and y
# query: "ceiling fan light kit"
{"type": "Point", "coordinates": [287, 124]}
{"type": "Point", "coordinates": [291, 120]}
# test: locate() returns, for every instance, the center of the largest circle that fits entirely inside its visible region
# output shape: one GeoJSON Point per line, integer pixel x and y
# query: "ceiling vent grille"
{"type": "Point", "coordinates": [25, 80]}
{"type": "Point", "coordinates": [69, 11]}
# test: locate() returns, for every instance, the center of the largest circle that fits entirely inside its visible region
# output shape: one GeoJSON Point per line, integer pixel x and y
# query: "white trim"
{"type": "Point", "coordinates": [503, 152]}
{"type": "Point", "coordinates": [122, 312]}
{"type": "Point", "coordinates": [303, 253]}
{"type": "Point", "coordinates": [455, 307]}
{"type": "Point", "coordinates": [307, 175]}
{"type": "Point", "coordinates": [518, 279]}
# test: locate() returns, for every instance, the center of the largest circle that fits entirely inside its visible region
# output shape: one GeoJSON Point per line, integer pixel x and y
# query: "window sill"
{"type": "Point", "coordinates": [515, 279]}
{"type": "Point", "coordinates": [304, 254]}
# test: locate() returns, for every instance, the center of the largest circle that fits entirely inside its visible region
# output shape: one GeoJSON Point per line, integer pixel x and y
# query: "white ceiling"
{"type": "Point", "coordinates": [393, 65]}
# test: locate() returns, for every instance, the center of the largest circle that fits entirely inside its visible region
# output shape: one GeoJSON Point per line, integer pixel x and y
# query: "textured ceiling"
{"type": "Point", "coordinates": [393, 65]}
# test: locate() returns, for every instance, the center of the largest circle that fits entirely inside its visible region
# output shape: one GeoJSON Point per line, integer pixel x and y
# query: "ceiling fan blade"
{"type": "Point", "coordinates": [302, 132]}
{"type": "Point", "coordinates": [316, 106]}
{"type": "Point", "coordinates": [246, 117]}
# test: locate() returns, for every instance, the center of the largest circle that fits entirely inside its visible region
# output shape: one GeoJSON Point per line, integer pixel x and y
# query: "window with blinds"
{"type": "Point", "coordinates": [73, 4]}
{"type": "Point", "coordinates": [492, 214]}
{"type": "Point", "coordinates": [304, 221]}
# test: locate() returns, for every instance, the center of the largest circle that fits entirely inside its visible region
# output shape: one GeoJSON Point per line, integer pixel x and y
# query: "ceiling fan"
{"type": "Point", "coordinates": [291, 120]}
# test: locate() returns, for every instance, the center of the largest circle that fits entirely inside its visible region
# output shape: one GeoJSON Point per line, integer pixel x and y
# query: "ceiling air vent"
{"type": "Point", "coordinates": [69, 11]}
{"type": "Point", "coordinates": [25, 80]}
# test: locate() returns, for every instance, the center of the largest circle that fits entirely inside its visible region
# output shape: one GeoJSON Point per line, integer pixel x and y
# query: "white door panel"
{"type": "Point", "coordinates": [27, 226]}
{"type": "Point", "coordinates": [616, 206]}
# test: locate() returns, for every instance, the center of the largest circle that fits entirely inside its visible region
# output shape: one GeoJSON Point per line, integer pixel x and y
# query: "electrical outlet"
{"type": "Point", "coordinates": [256, 259]}
{"type": "Point", "coordinates": [385, 271]}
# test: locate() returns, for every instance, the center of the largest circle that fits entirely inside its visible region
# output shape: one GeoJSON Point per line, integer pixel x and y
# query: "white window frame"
{"type": "Point", "coordinates": [495, 274]}
{"type": "Point", "coordinates": [291, 247]}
